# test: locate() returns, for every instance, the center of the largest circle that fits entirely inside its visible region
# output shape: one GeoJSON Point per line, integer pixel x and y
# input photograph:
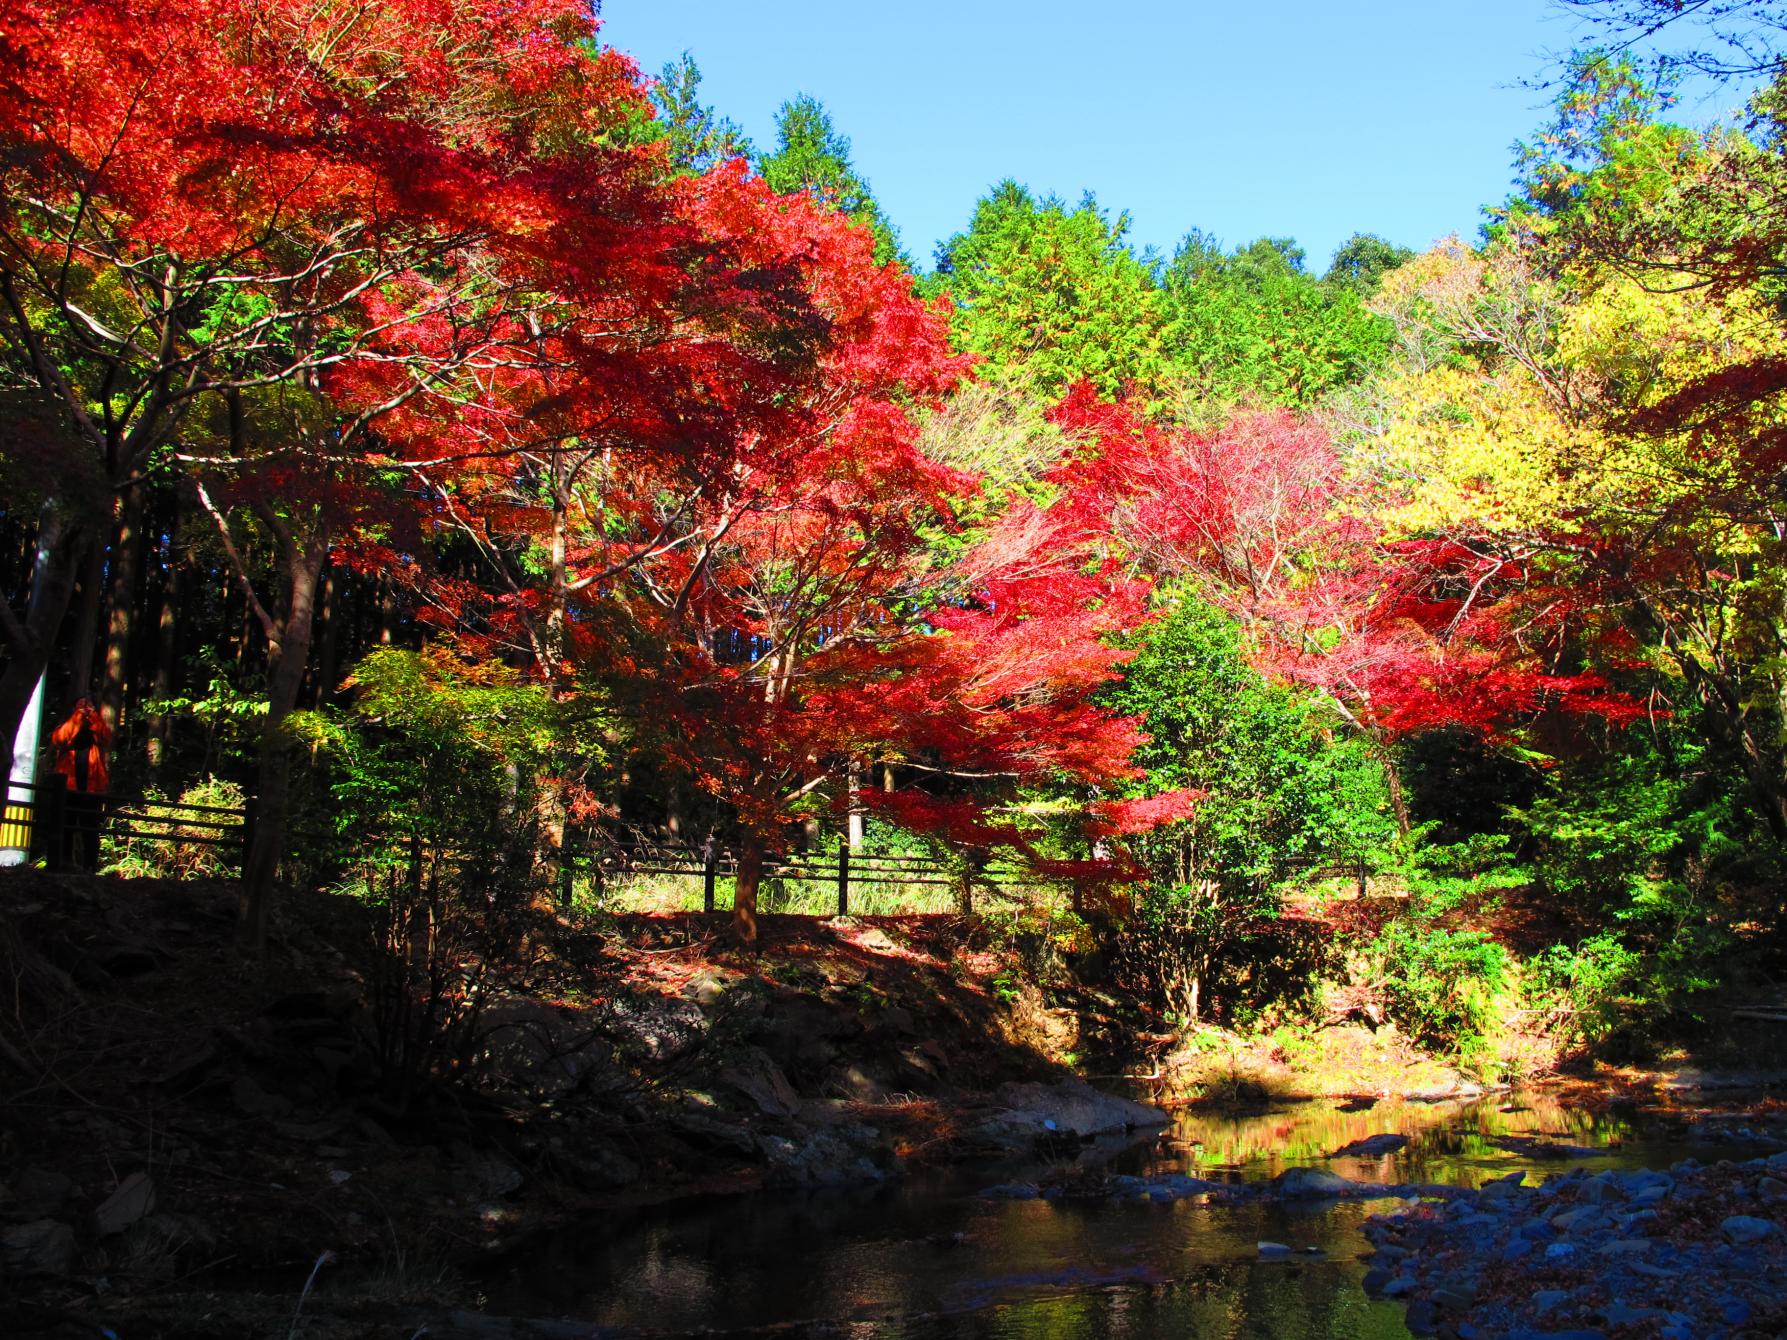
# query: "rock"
{"type": "Point", "coordinates": [1626, 1247]}
{"type": "Point", "coordinates": [1621, 1313]}
{"type": "Point", "coordinates": [1274, 1251]}
{"type": "Point", "coordinates": [712, 1133]}
{"type": "Point", "coordinates": [659, 1028]}
{"type": "Point", "coordinates": [253, 1101]}
{"type": "Point", "coordinates": [125, 961]}
{"type": "Point", "coordinates": [861, 1086]}
{"type": "Point", "coordinates": [1560, 1251]}
{"type": "Point", "coordinates": [706, 988]}
{"type": "Point", "coordinates": [1517, 1248]}
{"type": "Point", "coordinates": [601, 1165]}
{"type": "Point", "coordinates": [1599, 1190]}
{"type": "Point", "coordinates": [1074, 1107]}
{"type": "Point", "coordinates": [1422, 1318]}
{"type": "Point", "coordinates": [824, 1158]}
{"type": "Point", "coordinates": [1386, 1143]}
{"type": "Point", "coordinates": [1012, 1191]}
{"type": "Point", "coordinates": [1308, 1183]}
{"type": "Point", "coordinates": [41, 1247]}
{"type": "Point", "coordinates": [481, 1176]}
{"type": "Point", "coordinates": [1579, 1220]}
{"type": "Point", "coordinates": [1772, 1189]}
{"type": "Point", "coordinates": [1450, 1301]}
{"type": "Point", "coordinates": [1400, 1287]}
{"type": "Point", "coordinates": [134, 1198]}
{"type": "Point", "coordinates": [876, 941]}
{"type": "Point", "coordinates": [1546, 1299]}
{"type": "Point", "coordinates": [761, 1082]}
{"type": "Point", "coordinates": [1741, 1229]}
{"type": "Point", "coordinates": [41, 1193]}
{"type": "Point", "coordinates": [1502, 1188]}
{"type": "Point", "coordinates": [190, 1064]}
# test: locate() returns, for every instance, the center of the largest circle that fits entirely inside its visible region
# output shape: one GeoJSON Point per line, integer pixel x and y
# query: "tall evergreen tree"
{"type": "Point", "coordinates": [1362, 261]}
{"type": "Point", "coordinates": [1254, 324]}
{"type": "Point", "coordinates": [699, 138]}
{"type": "Point", "coordinates": [812, 156]}
{"type": "Point", "coordinates": [1052, 295]}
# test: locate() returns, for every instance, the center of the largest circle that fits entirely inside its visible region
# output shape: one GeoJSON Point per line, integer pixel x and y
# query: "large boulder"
{"type": "Point", "coordinates": [134, 1198]}
{"type": "Point", "coordinates": [41, 1247]}
{"type": "Point", "coordinates": [837, 1156]}
{"type": "Point", "coordinates": [1069, 1108]}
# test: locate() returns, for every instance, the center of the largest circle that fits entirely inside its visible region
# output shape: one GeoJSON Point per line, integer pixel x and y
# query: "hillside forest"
{"type": "Point", "coordinates": [467, 445]}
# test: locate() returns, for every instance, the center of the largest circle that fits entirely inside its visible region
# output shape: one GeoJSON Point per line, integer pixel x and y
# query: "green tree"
{"type": "Point", "coordinates": [699, 138]}
{"type": "Point", "coordinates": [1051, 295]}
{"type": "Point", "coordinates": [1255, 325]}
{"type": "Point", "coordinates": [1362, 261]}
{"type": "Point", "coordinates": [812, 156]}
{"type": "Point", "coordinates": [1281, 794]}
{"type": "Point", "coordinates": [1281, 790]}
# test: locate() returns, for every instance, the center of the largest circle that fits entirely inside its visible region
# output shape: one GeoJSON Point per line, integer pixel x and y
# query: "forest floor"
{"type": "Point", "coordinates": [185, 1132]}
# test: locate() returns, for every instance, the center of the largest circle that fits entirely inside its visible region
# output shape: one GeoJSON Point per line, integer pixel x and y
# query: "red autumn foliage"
{"type": "Point", "coordinates": [1401, 637]}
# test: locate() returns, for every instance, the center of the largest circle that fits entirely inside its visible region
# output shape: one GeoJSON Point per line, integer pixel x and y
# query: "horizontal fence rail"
{"type": "Point", "coordinates": [65, 828]}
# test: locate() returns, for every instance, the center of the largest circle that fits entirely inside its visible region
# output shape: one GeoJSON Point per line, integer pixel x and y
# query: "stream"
{"type": "Point", "coordinates": [927, 1257]}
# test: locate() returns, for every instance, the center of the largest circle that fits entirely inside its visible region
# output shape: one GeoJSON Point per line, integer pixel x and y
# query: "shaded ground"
{"type": "Point", "coordinates": [185, 1133]}
{"type": "Point", "coordinates": [175, 1117]}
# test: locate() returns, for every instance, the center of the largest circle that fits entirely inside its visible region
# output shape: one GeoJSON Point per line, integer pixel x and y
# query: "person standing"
{"type": "Point", "coordinates": [81, 744]}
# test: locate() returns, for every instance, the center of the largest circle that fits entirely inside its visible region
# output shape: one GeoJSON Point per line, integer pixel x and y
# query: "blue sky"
{"type": "Point", "coordinates": [1300, 118]}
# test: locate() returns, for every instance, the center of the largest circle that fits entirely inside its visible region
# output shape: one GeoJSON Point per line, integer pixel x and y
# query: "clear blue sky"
{"type": "Point", "coordinates": [1302, 118]}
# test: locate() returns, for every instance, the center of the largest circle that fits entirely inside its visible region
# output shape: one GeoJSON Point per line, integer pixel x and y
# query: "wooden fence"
{"type": "Point", "coordinates": [844, 871]}
{"type": "Point", "coordinates": [65, 828]}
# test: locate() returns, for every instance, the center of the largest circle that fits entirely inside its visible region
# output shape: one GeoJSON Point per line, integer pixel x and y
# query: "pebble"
{"type": "Point", "coordinates": [1742, 1229]}
{"type": "Point", "coordinates": [1607, 1246]}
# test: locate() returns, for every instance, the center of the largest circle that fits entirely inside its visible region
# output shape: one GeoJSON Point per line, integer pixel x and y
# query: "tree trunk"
{"type": "Point", "coordinates": [83, 646]}
{"type": "Point", "coordinates": [329, 643]}
{"type": "Point", "coordinates": [855, 820]}
{"type": "Point", "coordinates": [287, 657]}
{"type": "Point", "coordinates": [167, 652]}
{"type": "Point", "coordinates": [744, 897]}
{"type": "Point", "coordinates": [127, 551]}
{"type": "Point", "coordinates": [1399, 808]}
{"type": "Point", "coordinates": [59, 548]}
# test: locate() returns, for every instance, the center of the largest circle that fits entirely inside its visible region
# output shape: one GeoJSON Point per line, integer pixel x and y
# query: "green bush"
{"type": "Point", "coordinates": [1440, 986]}
{"type": "Point", "coordinates": [1591, 990]}
{"type": "Point", "coordinates": [190, 848]}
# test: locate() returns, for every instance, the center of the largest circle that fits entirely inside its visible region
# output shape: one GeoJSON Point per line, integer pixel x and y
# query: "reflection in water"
{"type": "Point", "coordinates": [926, 1258]}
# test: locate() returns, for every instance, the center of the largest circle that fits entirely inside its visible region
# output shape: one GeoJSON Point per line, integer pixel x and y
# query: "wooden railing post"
{"type": "Point", "coordinates": [1364, 880]}
{"type": "Point", "coordinates": [249, 808]}
{"type": "Point", "coordinates": [710, 868]}
{"type": "Point", "coordinates": [567, 854]}
{"type": "Point", "coordinates": [51, 820]}
{"type": "Point", "coordinates": [843, 877]}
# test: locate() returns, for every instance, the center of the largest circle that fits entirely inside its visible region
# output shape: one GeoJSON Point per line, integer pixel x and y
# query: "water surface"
{"type": "Point", "coordinates": [927, 1257]}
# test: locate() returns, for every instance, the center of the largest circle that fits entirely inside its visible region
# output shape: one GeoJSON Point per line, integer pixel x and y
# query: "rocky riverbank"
{"type": "Point", "coordinates": [1694, 1253]}
{"type": "Point", "coordinates": [175, 1117]}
